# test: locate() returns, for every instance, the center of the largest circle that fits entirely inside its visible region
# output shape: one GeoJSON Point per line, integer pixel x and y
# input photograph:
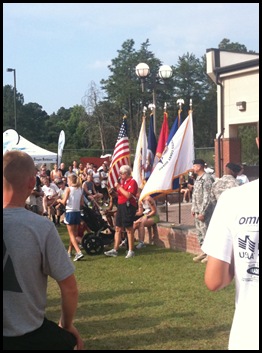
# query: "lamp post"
{"type": "Point", "coordinates": [142, 71]}
{"type": "Point", "coordinates": [13, 70]}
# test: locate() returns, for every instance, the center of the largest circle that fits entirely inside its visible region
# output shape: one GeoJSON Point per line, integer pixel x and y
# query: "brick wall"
{"type": "Point", "coordinates": [177, 238]}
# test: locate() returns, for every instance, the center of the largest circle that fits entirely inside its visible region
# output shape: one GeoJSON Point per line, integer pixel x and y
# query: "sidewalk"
{"type": "Point", "coordinates": [175, 214]}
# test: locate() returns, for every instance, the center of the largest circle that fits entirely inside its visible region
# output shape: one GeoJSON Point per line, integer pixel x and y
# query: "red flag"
{"type": "Point", "coordinates": [121, 155]}
{"type": "Point", "coordinates": [163, 136]}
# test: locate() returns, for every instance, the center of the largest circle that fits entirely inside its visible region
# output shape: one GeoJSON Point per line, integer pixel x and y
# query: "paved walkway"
{"type": "Point", "coordinates": [175, 214]}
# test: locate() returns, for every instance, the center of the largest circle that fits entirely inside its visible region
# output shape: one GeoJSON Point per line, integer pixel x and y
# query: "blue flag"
{"type": "Point", "coordinates": [173, 130]}
{"type": "Point", "coordinates": [151, 148]}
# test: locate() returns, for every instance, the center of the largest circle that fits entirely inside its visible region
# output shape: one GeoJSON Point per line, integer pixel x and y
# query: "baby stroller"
{"type": "Point", "coordinates": [102, 233]}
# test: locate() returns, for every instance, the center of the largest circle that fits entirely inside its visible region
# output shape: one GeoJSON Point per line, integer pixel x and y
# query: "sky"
{"type": "Point", "coordinates": [57, 50]}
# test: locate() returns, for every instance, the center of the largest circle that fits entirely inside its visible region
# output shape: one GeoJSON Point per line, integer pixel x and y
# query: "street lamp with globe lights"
{"type": "Point", "coordinates": [143, 70]}
{"type": "Point", "coordinates": [13, 70]}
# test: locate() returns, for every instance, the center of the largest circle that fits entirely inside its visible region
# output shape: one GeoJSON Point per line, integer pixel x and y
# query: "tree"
{"type": "Point", "coordinates": [120, 87]}
{"type": "Point", "coordinates": [225, 44]}
{"type": "Point", "coordinates": [191, 82]}
{"type": "Point", "coordinates": [8, 107]}
{"type": "Point", "coordinates": [32, 120]}
{"type": "Point", "coordinates": [249, 150]}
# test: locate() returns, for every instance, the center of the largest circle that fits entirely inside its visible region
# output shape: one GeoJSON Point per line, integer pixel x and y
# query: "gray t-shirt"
{"type": "Point", "coordinates": [32, 251]}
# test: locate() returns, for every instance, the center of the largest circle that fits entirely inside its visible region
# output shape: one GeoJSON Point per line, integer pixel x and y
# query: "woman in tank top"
{"type": "Point", "coordinates": [73, 200]}
{"type": "Point", "coordinates": [148, 216]}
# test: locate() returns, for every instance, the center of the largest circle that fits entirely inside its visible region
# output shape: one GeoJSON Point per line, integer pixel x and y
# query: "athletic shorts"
{"type": "Point", "coordinates": [72, 217]}
{"type": "Point", "coordinates": [125, 215]}
{"type": "Point", "coordinates": [49, 336]}
{"type": "Point", "coordinates": [155, 218]}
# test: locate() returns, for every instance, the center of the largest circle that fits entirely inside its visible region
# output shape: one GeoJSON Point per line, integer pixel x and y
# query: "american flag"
{"type": "Point", "coordinates": [121, 155]}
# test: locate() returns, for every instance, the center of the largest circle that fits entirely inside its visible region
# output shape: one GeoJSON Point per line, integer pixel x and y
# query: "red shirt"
{"type": "Point", "coordinates": [131, 186]}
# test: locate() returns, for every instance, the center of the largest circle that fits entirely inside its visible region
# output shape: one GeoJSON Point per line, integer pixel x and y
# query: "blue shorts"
{"type": "Point", "coordinates": [72, 217]}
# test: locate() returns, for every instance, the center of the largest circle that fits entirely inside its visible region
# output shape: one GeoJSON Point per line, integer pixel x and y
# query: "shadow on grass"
{"type": "Point", "coordinates": [125, 334]}
{"type": "Point", "coordinates": [112, 320]}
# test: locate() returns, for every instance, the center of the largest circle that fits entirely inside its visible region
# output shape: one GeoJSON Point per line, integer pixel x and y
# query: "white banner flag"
{"type": "Point", "coordinates": [176, 160]}
{"type": "Point", "coordinates": [10, 139]}
{"type": "Point", "coordinates": [140, 157]}
{"type": "Point", "coordinates": [61, 143]}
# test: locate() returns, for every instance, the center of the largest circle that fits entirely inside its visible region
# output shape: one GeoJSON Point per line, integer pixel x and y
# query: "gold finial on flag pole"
{"type": "Point", "coordinates": [180, 101]}
{"type": "Point", "coordinates": [151, 106]}
{"type": "Point", "coordinates": [144, 111]}
{"type": "Point", "coordinates": [190, 104]}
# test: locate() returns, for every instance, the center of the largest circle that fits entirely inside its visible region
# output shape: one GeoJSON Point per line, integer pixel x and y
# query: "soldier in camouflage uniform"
{"type": "Point", "coordinates": [227, 181]}
{"type": "Point", "coordinates": [202, 207]}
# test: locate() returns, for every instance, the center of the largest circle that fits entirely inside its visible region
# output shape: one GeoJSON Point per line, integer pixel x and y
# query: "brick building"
{"type": "Point", "coordinates": [237, 78]}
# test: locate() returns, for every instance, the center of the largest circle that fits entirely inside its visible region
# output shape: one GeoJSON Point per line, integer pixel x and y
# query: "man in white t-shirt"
{"type": "Point", "coordinates": [232, 246]}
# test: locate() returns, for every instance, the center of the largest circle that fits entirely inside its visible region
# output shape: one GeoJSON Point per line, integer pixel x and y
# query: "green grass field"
{"type": "Point", "coordinates": [154, 301]}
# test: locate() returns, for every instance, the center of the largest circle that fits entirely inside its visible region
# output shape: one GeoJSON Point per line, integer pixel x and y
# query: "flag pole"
{"type": "Point", "coordinates": [190, 105]}
{"type": "Point", "coordinates": [165, 106]}
{"type": "Point", "coordinates": [180, 102]}
{"type": "Point", "coordinates": [143, 170]}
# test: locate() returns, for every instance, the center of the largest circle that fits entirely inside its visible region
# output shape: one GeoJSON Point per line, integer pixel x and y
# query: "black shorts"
{"type": "Point", "coordinates": [49, 336]}
{"type": "Point", "coordinates": [125, 215]}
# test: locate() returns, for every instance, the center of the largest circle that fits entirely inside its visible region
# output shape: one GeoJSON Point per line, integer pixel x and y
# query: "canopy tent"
{"type": "Point", "coordinates": [39, 155]}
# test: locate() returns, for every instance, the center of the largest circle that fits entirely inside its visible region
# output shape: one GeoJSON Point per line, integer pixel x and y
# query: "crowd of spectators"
{"type": "Point", "coordinates": [50, 185]}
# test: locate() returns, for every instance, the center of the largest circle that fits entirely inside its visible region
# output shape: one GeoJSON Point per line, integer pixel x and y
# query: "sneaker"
{"type": "Point", "coordinates": [111, 252]}
{"type": "Point", "coordinates": [199, 257]}
{"type": "Point", "coordinates": [78, 256]}
{"type": "Point", "coordinates": [140, 245]}
{"type": "Point", "coordinates": [130, 254]}
{"type": "Point", "coordinates": [69, 254]}
{"type": "Point", "coordinates": [204, 261]}
{"type": "Point", "coordinates": [123, 243]}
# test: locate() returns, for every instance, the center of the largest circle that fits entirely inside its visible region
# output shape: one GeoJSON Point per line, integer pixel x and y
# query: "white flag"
{"type": "Point", "coordinates": [140, 157]}
{"type": "Point", "coordinates": [61, 143]}
{"type": "Point", "coordinates": [10, 139]}
{"type": "Point", "coordinates": [175, 161]}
